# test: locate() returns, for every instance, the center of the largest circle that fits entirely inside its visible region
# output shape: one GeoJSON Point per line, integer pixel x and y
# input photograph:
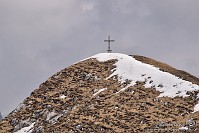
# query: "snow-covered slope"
{"type": "Point", "coordinates": [127, 68]}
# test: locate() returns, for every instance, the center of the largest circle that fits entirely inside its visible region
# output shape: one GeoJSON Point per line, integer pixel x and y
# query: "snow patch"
{"type": "Point", "coordinates": [52, 117]}
{"type": "Point", "coordinates": [62, 97]}
{"type": "Point", "coordinates": [26, 129]}
{"type": "Point", "coordinates": [196, 108]}
{"type": "Point", "coordinates": [123, 89]}
{"type": "Point", "coordinates": [99, 91]}
{"type": "Point", "coordinates": [184, 128]}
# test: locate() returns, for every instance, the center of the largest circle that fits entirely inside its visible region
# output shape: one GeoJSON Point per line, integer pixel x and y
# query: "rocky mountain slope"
{"type": "Point", "coordinates": [110, 93]}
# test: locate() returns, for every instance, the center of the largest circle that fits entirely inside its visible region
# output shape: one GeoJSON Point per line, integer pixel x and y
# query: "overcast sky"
{"type": "Point", "coordinates": [40, 37]}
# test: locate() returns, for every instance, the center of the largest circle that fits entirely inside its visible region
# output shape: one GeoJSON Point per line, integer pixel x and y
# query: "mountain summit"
{"type": "Point", "coordinates": [110, 92]}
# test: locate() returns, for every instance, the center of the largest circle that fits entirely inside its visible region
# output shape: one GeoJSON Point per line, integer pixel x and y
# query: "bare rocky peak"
{"type": "Point", "coordinates": [100, 94]}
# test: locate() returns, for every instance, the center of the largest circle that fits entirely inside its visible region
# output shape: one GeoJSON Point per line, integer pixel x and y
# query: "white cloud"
{"type": "Point", "coordinates": [88, 7]}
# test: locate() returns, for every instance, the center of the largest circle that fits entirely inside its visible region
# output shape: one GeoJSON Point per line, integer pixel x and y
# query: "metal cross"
{"type": "Point", "coordinates": [109, 43]}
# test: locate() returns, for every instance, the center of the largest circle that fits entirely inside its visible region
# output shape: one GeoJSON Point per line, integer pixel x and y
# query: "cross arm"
{"type": "Point", "coordinates": [109, 40]}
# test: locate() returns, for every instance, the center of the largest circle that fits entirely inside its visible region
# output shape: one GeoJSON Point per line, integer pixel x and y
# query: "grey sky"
{"type": "Point", "coordinates": [40, 37]}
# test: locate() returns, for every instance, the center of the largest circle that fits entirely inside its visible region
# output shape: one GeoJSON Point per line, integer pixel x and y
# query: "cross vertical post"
{"type": "Point", "coordinates": [109, 44]}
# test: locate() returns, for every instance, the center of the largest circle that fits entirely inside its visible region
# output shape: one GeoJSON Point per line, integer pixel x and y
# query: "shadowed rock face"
{"type": "Point", "coordinates": [80, 98]}
{"type": "Point", "coordinates": [0, 116]}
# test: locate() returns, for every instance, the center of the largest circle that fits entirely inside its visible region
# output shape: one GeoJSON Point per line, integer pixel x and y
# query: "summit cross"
{"type": "Point", "coordinates": [109, 44]}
